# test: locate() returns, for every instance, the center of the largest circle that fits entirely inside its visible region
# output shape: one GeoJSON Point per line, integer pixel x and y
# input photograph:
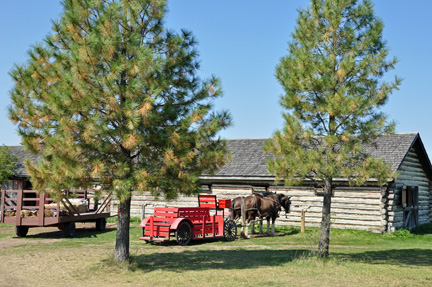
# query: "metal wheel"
{"type": "Point", "coordinates": [184, 233]}
{"type": "Point", "coordinates": [100, 224]}
{"type": "Point", "coordinates": [230, 230]}
{"type": "Point", "coordinates": [69, 229]}
{"type": "Point", "coordinates": [21, 231]}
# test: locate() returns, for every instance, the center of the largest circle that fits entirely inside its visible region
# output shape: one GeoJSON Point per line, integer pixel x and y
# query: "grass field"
{"type": "Point", "coordinates": [45, 258]}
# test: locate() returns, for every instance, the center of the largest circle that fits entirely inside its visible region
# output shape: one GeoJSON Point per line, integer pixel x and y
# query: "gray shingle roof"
{"type": "Point", "coordinates": [21, 154]}
{"type": "Point", "coordinates": [249, 160]}
{"type": "Point", "coordinates": [392, 148]}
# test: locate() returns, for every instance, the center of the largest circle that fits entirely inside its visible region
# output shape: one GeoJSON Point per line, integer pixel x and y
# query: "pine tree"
{"type": "Point", "coordinates": [333, 87]}
{"type": "Point", "coordinates": [8, 164]}
{"type": "Point", "coordinates": [112, 95]}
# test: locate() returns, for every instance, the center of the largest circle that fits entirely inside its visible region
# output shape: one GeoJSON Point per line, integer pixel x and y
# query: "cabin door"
{"type": "Point", "coordinates": [411, 214]}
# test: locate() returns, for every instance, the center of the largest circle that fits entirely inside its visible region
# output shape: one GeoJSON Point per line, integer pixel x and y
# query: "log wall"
{"type": "Point", "coordinates": [430, 206]}
{"type": "Point", "coordinates": [356, 208]}
{"type": "Point", "coordinates": [352, 207]}
{"type": "Point", "coordinates": [411, 173]}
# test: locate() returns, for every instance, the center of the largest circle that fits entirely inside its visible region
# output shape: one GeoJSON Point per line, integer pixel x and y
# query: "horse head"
{"type": "Point", "coordinates": [285, 202]}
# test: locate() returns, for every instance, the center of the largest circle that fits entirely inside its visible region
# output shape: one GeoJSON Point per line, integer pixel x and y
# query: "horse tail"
{"type": "Point", "coordinates": [258, 206]}
{"type": "Point", "coordinates": [231, 210]}
{"type": "Point", "coordinates": [243, 211]}
{"type": "Point", "coordinates": [243, 216]}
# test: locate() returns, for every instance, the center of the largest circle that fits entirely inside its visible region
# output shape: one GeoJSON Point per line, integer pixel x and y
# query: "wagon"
{"type": "Point", "coordinates": [190, 223]}
{"type": "Point", "coordinates": [28, 209]}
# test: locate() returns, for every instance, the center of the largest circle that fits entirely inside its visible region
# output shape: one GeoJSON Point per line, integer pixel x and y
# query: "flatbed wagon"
{"type": "Point", "coordinates": [190, 223]}
{"type": "Point", "coordinates": [28, 209]}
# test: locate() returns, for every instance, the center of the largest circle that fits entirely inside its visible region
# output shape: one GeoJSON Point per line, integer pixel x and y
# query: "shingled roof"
{"type": "Point", "coordinates": [249, 161]}
{"type": "Point", "coordinates": [21, 155]}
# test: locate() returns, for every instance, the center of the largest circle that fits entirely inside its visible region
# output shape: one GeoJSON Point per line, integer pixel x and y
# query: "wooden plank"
{"type": "Point", "coordinates": [211, 205]}
{"type": "Point", "coordinates": [163, 219]}
{"type": "Point", "coordinates": [337, 216]}
{"type": "Point", "coordinates": [42, 209]}
{"type": "Point", "coordinates": [157, 228]}
{"type": "Point", "coordinates": [157, 233]}
{"type": "Point", "coordinates": [337, 205]}
{"type": "Point", "coordinates": [2, 205]}
{"type": "Point", "coordinates": [336, 200]}
{"type": "Point", "coordinates": [193, 214]}
{"type": "Point", "coordinates": [317, 209]}
{"type": "Point", "coordinates": [168, 224]}
{"type": "Point", "coordinates": [336, 221]}
{"type": "Point", "coordinates": [207, 198]}
{"type": "Point", "coordinates": [154, 239]}
{"type": "Point", "coordinates": [105, 204]}
{"type": "Point", "coordinates": [166, 209]}
{"type": "Point", "coordinates": [166, 214]}
{"type": "Point", "coordinates": [19, 208]}
{"type": "Point", "coordinates": [192, 209]}
{"type": "Point", "coordinates": [207, 230]}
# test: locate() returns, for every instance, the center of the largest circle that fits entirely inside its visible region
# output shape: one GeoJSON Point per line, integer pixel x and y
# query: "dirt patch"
{"type": "Point", "coordinates": [21, 241]}
{"type": "Point", "coordinates": [14, 241]}
{"type": "Point", "coordinates": [43, 234]}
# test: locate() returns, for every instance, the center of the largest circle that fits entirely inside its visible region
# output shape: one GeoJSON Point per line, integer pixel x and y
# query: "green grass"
{"type": "Point", "coordinates": [357, 258]}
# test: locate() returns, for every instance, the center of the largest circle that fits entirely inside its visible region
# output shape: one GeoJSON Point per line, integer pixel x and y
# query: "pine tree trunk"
{"type": "Point", "coordinates": [121, 253]}
{"type": "Point", "coordinates": [323, 247]}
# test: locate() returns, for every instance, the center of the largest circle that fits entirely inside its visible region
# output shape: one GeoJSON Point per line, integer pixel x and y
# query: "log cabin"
{"type": "Point", "coordinates": [405, 202]}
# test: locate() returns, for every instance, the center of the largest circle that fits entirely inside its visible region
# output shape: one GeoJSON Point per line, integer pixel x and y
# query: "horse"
{"type": "Point", "coordinates": [278, 201]}
{"type": "Point", "coordinates": [235, 210]}
{"type": "Point", "coordinates": [258, 205]}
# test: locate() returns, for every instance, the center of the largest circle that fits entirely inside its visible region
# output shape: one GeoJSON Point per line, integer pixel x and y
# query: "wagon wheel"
{"type": "Point", "coordinates": [230, 230]}
{"type": "Point", "coordinates": [21, 231]}
{"type": "Point", "coordinates": [183, 233]}
{"type": "Point", "coordinates": [100, 224]}
{"type": "Point", "coordinates": [69, 229]}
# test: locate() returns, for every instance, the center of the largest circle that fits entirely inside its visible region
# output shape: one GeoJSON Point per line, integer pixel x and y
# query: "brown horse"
{"type": "Point", "coordinates": [270, 207]}
{"type": "Point", "coordinates": [236, 203]}
{"type": "Point", "coordinates": [263, 205]}
{"type": "Point", "coordinates": [236, 208]}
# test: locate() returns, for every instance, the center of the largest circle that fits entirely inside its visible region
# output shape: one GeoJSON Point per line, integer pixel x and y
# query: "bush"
{"type": "Point", "coordinates": [422, 229]}
{"type": "Point", "coordinates": [403, 232]}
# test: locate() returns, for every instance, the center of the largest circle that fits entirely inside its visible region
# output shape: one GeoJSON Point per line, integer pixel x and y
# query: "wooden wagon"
{"type": "Point", "coordinates": [190, 223]}
{"type": "Point", "coordinates": [27, 208]}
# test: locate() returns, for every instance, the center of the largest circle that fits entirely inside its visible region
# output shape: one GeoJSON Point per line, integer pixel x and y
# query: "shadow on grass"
{"type": "Point", "coordinates": [400, 257]}
{"type": "Point", "coordinates": [79, 233]}
{"type": "Point", "coordinates": [289, 231]}
{"type": "Point", "coordinates": [284, 231]}
{"type": "Point", "coordinates": [216, 259]}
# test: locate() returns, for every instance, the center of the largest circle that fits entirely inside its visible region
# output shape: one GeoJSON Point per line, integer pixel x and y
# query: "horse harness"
{"type": "Point", "coordinates": [275, 205]}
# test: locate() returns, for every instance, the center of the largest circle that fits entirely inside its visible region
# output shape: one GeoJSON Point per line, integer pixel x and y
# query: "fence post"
{"type": "Point", "coordinates": [143, 211]}
{"type": "Point", "coordinates": [303, 220]}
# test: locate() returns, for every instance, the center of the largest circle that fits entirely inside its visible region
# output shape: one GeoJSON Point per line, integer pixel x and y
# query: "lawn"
{"type": "Point", "coordinates": [45, 258]}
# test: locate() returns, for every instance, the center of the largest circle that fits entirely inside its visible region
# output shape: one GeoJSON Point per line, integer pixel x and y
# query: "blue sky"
{"type": "Point", "coordinates": [241, 42]}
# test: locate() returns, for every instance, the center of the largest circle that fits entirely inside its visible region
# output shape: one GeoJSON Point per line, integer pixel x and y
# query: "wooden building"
{"type": "Point", "coordinates": [406, 201]}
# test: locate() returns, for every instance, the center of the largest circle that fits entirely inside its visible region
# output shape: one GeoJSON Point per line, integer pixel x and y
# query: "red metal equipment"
{"type": "Point", "coordinates": [190, 223]}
